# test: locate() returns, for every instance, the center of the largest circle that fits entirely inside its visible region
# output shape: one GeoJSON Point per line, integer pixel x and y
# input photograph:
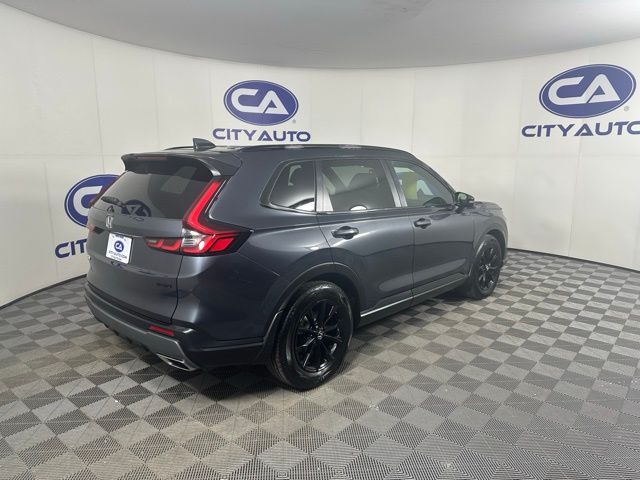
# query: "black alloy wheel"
{"type": "Point", "coordinates": [489, 269]}
{"type": "Point", "coordinates": [317, 337]}
{"type": "Point", "coordinates": [485, 270]}
{"type": "Point", "coordinates": [314, 336]}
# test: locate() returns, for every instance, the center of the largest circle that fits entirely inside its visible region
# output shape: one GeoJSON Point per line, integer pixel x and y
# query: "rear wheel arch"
{"type": "Point", "coordinates": [340, 275]}
{"type": "Point", "coordinates": [310, 331]}
{"type": "Point", "coordinates": [347, 285]}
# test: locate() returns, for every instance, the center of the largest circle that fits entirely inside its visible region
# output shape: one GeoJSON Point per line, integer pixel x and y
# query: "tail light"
{"type": "Point", "coordinates": [166, 244]}
{"type": "Point", "coordinates": [201, 235]}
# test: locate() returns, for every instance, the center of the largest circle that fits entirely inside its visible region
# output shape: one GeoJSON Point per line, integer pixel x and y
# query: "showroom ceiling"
{"type": "Point", "coordinates": [351, 33]}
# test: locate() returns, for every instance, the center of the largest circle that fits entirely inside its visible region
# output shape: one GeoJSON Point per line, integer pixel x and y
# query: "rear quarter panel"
{"type": "Point", "coordinates": [236, 296]}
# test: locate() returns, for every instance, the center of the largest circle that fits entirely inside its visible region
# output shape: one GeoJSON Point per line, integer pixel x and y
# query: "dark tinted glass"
{"type": "Point", "coordinates": [163, 189]}
{"type": "Point", "coordinates": [296, 187]}
{"type": "Point", "coordinates": [352, 185]}
{"type": "Point", "coordinates": [420, 187]}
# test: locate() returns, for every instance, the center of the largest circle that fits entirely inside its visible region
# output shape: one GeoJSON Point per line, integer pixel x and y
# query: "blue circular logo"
{"type": "Point", "coordinates": [119, 246]}
{"type": "Point", "coordinates": [260, 103]}
{"type": "Point", "coordinates": [76, 203]}
{"type": "Point", "coordinates": [588, 91]}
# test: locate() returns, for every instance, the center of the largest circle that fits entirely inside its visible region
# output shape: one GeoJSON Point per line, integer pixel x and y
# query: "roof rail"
{"type": "Point", "coordinates": [345, 146]}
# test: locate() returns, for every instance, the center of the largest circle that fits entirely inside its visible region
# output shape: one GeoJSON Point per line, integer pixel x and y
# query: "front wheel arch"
{"type": "Point", "coordinates": [501, 240]}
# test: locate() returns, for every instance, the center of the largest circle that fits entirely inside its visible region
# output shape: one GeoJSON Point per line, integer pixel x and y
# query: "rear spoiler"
{"type": "Point", "coordinates": [219, 163]}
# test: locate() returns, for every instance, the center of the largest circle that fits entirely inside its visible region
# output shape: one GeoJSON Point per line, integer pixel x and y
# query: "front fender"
{"type": "Point", "coordinates": [489, 218]}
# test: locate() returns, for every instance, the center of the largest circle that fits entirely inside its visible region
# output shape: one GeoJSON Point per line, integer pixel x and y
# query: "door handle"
{"type": "Point", "coordinates": [422, 223]}
{"type": "Point", "coordinates": [345, 232]}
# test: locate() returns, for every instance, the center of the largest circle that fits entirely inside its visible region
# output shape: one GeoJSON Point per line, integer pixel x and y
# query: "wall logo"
{"type": "Point", "coordinates": [588, 91]}
{"type": "Point", "coordinates": [76, 203]}
{"type": "Point", "coordinates": [585, 92]}
{"type": "Point", "coordinates": [260, 103]}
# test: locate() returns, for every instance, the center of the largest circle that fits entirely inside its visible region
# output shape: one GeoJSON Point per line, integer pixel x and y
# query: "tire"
{"type": "Point", "coordinates": [485, 271]}
{"type": "Point", "coordinates": [314, 336]}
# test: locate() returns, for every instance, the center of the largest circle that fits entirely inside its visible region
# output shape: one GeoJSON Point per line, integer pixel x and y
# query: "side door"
{"type": "Point", "coordinates": [359, 216]}
{"type": "Point", "coordinates": [443, 232]}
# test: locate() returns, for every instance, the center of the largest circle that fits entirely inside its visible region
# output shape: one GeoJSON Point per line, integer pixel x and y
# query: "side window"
{"type": "Point", "coordinates": [296, 187]}
{"type": "Point", "coordinates": [353, 185]}
{"type": "Point", "coordinates": [421, 188]}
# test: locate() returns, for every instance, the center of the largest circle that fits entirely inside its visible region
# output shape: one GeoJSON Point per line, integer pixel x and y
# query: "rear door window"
{"type": "Point", "coordinates": [295, 187]}
{"type": "Point", "coordinates": [355, 185]}
{"type": "Point", "coordinates": [157, 189]}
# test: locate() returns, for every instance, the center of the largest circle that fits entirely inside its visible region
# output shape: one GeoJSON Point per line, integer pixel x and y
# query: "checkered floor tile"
{"type": "Point", "coordinates": [540, 381]}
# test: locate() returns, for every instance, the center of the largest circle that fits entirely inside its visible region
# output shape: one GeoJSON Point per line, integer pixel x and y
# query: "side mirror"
{"type": "Point", "coordinates": [464, 199]}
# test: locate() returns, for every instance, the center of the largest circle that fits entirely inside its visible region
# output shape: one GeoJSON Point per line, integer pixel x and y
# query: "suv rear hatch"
{"type": "Point", "coordinates": [144, 223]}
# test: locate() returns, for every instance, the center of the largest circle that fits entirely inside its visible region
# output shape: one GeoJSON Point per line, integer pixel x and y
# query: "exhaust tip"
{"type": "Point", "coordinates": [181, 364]}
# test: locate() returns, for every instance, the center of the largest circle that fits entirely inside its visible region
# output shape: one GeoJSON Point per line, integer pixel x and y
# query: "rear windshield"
{"type": "Point", "coordinates": [157, 189]}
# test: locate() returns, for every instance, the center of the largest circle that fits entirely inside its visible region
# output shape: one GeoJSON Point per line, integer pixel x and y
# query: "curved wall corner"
{"type": "Point", "coordinates": [74, 102]}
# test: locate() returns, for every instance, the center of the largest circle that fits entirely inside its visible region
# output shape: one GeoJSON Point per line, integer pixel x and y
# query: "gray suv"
{"type": "Point", "coordinates": [212, 256]}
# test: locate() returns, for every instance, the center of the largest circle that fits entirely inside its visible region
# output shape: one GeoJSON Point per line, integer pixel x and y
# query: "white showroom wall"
{"type": "Point", "coordinates": [72, 103]}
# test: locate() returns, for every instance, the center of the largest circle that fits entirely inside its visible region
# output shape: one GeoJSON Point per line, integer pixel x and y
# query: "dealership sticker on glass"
{"type": "Point", "coordinates": [119, 248]}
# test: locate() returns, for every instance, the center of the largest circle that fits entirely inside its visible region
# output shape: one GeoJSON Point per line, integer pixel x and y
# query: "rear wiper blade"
{"type": "Point", "coordinates": [113, 200]}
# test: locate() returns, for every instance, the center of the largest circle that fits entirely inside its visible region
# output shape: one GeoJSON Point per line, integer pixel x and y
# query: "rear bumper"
{"type": "Point", "coordinates": [182, 351]}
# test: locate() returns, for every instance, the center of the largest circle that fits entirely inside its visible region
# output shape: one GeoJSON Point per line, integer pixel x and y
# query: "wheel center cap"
{"type": "Point", "coordinates": [320, 334]}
